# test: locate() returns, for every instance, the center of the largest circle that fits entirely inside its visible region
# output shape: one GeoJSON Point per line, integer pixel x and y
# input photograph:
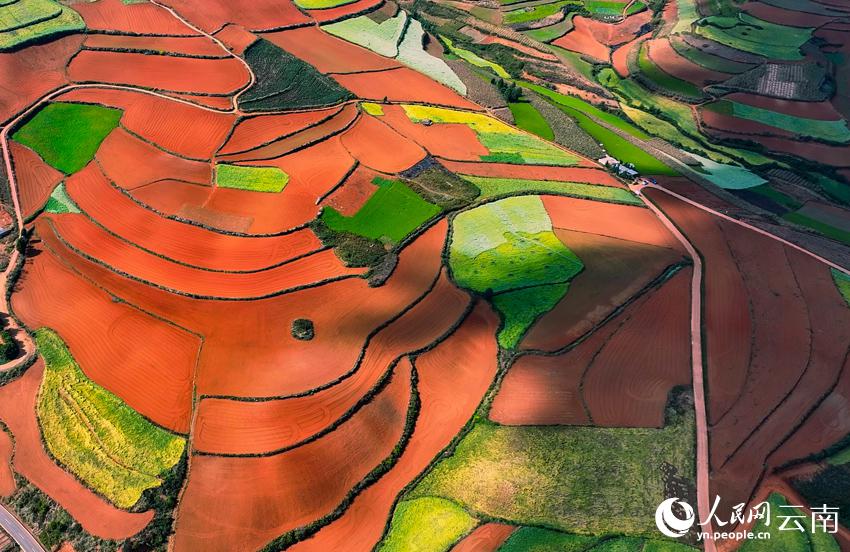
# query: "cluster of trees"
{"type": "Point", "coordinates": [510, 91]}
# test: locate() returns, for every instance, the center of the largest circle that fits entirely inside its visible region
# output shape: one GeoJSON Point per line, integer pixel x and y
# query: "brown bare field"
{"type": "Point", "coordinates": [822, 111]}
{"type": "Point", "coordinates": [588, 175]}
{"type": "Point", "coordinates": [792, 18]}
{"type": "Point", "coordinates": [136, 18]}
{"type": "Point", "coordinates": [267, 496]}
{"type": "Point", "coordinates": [821, 153]}
{"type": "Point", "coordinates": [629, 379]}
{"type": "Point", "coordinates": [236, 38]}
{"type": "Point", "coordinates": [170, 196]}
{"type": "Point", "coordinates": [98, 517]}
{"type": "Point", "coordinates": [157, 359]}
{"type": "Point", "coordinates": [614, 34]}
{"type": "Point", "coordinates": [377, 146]}
{"type": "Point", "coordinates": [487, 537]}
{"type": "Point", "coordinates": [253, 132]}
{"type": "Point", "coordinates": [35, 178]}
{"type": "Point", "coordinates": [343, 12]}
{"type": "Point", "coordinates": [130, 163]}
{"type": "Point", "coordinates": [354, 192]}
{"type": "Point", "coordinates": [189, 45]}
{"type": "Point", "coordinates": [226, 426]}
{"type": "Point", "coordinates": [176, 74]}
{"type": "Point", "coordinates": [830, 214]}
{"type": "Point", "coordinates": [254, 16]}
{"type": "Point", "coordinates": [662, 54]}
{"type": "Point", "coordinates": [466, 360]}
{"type": "Point", "coordinates": [614, 271]}
{"type": "Point", "coordinates": [174, 126]}
{"type": "Point", "coordinates": [527, 50]}
{"type": "Point", "coordinates": [328, 53]}
{"type": "Point", "coordinates": [175, 240]}
{"type": "Point", "coordinates": [82, 235]}
{"type": "Point", "coordinates": [447, 141]}
{"type": "Point", "coordinates": [731, 125]}
{"type": "Point", "coordinates": [402, 85]}
{"type": "Point", "coordinates": [7, 478]}
{"type": "Point", "coordinates": [29, 73]}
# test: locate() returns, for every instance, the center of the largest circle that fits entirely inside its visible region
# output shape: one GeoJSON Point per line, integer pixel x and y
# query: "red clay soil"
{"type": "Point", "coordinates": [98, 517]}
{"type": "Point", "coordinates": [403, 85]}
{"type": "Point", "coordinates": [236, 38]}
{"type": "Point", "coordinates": [220, 103]}
{"type": "Point", "coordinates": [253, 132]}
{"type": "Point", "coordinates": [377, 146]}
{"type": "Point", "coordinates": [174, 126]}
{"type": "Point", "coordinates": [354, 192]}
{"type": "Point", "coordinates": [160, 72]}
{"type": "Point", "coordinates": [821, 153]}
{"type": "Point", "coordinates": [175, 240]}
{"type": "Point", "coordinates": [313, 172]}
{"type": "Point", "coordinates": [137, 18]}
{"type": "Point", "coordinates": [662, 54]}
{"type": "Point", "coordinates": [628, 381]}
{"type": "Point", "coordinates": [485, 538]}
{"type": "Point", "coordinates": [157, 359]}
{"type": "Point", "coordinates": [466, 360]}
{"type": "Point", "coordinates": [82, 235]}
{"type": "Point", "coordinates": [31, 72]}
{"type": "Point", "coordinates": [226, 426]}
{"type": "Point", "coordinates": [268, 496]}
{"type": "Point", "coordinates": [614, 271]}
{"type": "Point", "coordinates": [451, 141]}
{"type": "Point", "coordinates": [328, 53]}
{"type": "Point", "coordinates": [822, 111]}
{"type": "Point", "coordinates": [527, 50]}
{"type": "Point", "coordinates": [728, 124]}
{"type": "Point", "coordinates": [791, 18]}
{"type": "Point", "coordinates": [7, 478]}
{"type": "Point", "coordinates": [170, 196]}
{"type": "Point", "coordinates": [310, 135]}
{"type": "Point", "coordinates": [582, 41]}
{"type": "Point", "coordinates": [624, 222]}
{"type": "Point", "coordinates": [614, 34]}
{"type": "Point", "coordinates": [130, 162]}
{"type": "Point", "coordinates": [191, 45]}
{"type": "Point", "coordinates": [35, 178]}
{"type": "Point", "coordinates": [620, 56]}
{"type": "Point", "coordinates": [254, 15]}
{"type": "Point", "coordinates": [344, 12]}
{"type": "Point", "coordinates": [587, 175]}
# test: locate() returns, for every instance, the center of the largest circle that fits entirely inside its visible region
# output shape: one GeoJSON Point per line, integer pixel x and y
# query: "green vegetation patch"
{"type": "Point", "coordinates": [321, 4]}
{"type": "Point", "coordinates": [529, 119]}
{"type": "Point", "coordinates": [843, 282]}
{"type": "Point", "coordinates": [426, 524]}
{"type": "Point", "coordinates": [729, 177]}
{"type": "Point", "coordinates": [93, 433]}
{"type": "Point", "coordinates": [551, 32]}
{"type": "Point", "coordinates": [665, 81]}
{"type": "Point", "coordinates": [820, 226]}
{"type": "Point", "coordinates": [605, 7]}
{"type": "Point", "coordinates": [750, 34]}
{"type": "Point", "coordinates": [412, 53]}
{"type": "Point", "coordinates": [533, 539]}
{"type": "Point", "coordinates": [60, 202]}
{"type": "Point", "coordinates": [583, 480]}
{"type": "Point", "coordinates": [833, 131]}
{"type": "Point", "coordinates": [391, 213]}
{"type": "Point", "coordinates": [67, 135]}
{"type": "Point", "coordinates": [29, 21]}
{"type": "Point", "coordinates": [286, 82]}
{"type": "Point", "coordinates": [374, 109]}
{"type": "Point", "coordinates": [497, 187]}
{"type": "Point", "coordinates": [788, 539]}
{"type": "Point", "coordinates": [252, 179]}
{"type": "Point", "coordinates": [524, 15]}
{"type": "Point", "coordinates": [474, 58]}
{"type": "Point", "coordinates": [382, 38]}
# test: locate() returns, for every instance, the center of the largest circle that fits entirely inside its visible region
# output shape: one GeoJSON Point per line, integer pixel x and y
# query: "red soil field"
{"type": "Point", "coordinates": [792, 18]}
{"type": "Point", "coordinates": [614, 271]}
{"type": "Point", "coordinates": [238, 427]}
{"type": "Point", "coordinates": [485, 538]}
{"type": "Point", "coordinates": [236, 38]}
{"type": "Point", "coordinates": [620, 221]}
{"type": "Point", "coordinates": [465, 360]}
{"type": "Point", "coordinates": [667, 59]}
{"type": "Point", "coordinates": [328, 53]}
{"type": "Point", "coordinates": [130, 163]}
{"type": "Point", "coordinates": [137, 18]}
{"type": "Point", "coordinates": [211, 218]}
{"type": "Point", "coordinates": [29, 73]}
{"type": "Point", "coordinates": [450, 141]}
{"type": "Point", "coordinates": [588, 175]}
{"type": "Point", "coordinates": [620, 56]}
{"type": "Point", "coordinates": [219, 103]}
{"type": "Point", "coordinates": [313, 172]}
{"type": "Point", "coordinates": [490, 39]}
{"type": "Point", "coordinates": [157, 359]}
{"type": "Point", "coordinates": [619, 33]}
{"type": "Point", "coordinates": [823, 111]}
{"type": "Point", "coordinates": [98, 517]}
{"type": "Point", "coordinates": [582, 41]}
{"type": "Point", "coordinates": [254, 15]}
{"type": "Point", "coordinates": [190, 45]}
{"type": "Point", "coordinates": [629, 379]}
{"type": "Point", "coordinates": [403, 85]}
{"type": "Point", "coordinates": [169, 196]}
{"type": "Point", "coordinates": [7, 479]}
{"type": "Point", "coordinates": [177, 74]}
{"type": "Point", "coordinates": [253, 132]}
{"type": "Point", "coordinates": [377, 146]}
{"type": "Point", "coordinates": [308, 136]}
{"type": "Point", "coordinates": [821, 153]}
{"type": "Point", "coordinates": [268, 496]}
{"type": "Point", "coordinates": [82, 235]}
{"type": "Point", "coordinates": [178, 241]}
{"type": "Point", "coordinates": [354, 192]}
{"type": "Point", "coordinates": [343, 12]}
{"type": "Point", "coordinates": [36, 179]}
{"type": "Point", "coordinates": [174, 126]}
{"type": "Point", "coordinates": [730, 125]}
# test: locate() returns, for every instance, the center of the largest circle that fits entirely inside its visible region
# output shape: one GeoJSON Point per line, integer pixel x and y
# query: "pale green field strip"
{"type": "Point", "coordinates": [426, 524]}
{"type": "Point", "coordinates": [381, 38]}
{"type": "Point", "coordinates": [252, 179]}
{"type": "Point", "coordinates": [59, 201]}
{"type": "Point", "coordinates": [551, 32]}
{"type": "Point", "coordinates": [729, 177]}
{"type": "Point", "coordinates": [412, 54]}
{"type": "Point", "coordinates": [94, 434]}
{"type": "Point", "coordinates": [750, 34]}
{"type": "Point", "coordinates": [687, 14]}
{"type": "Point", "coordinates": [834, 131]}
{"type": "Point", "coordinates": [474, 59]}
{"type": "Point", "coordinates": [321, 4]}
{"type": "Point", "coordinates": [524, 15]}
{"type": "Point", "coordinates": [496, 187]}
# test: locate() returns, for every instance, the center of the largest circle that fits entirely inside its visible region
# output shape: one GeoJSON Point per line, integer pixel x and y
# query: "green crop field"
{"type": "Point", "coordinates": [321, 4]}
{"type": "Point", "coordinates": [790, 540]}
{"type": "Point", "coordinates": [104, 442]}
{"type": "Point", "coordinates": [59, 202]}
{"type": "Point", "coordinates": [28, 21]}
{"type": "Point", "coordinates": [67, 135]}
{"type": "Point", "coordinates": [426, 524]}
{"type": "Point", "coordinates": [524, 15]}
{"type": "Point", "coordinates": [843, 282]}
{"type": "Point", "coordinates": [709, 61]}
{"type": "Point", "coordinates": [533, 539]}
{"type": "Point", "coordinates": [528, 118]}
{"type": "Point", "coordinates": [474, 58]}
{"type": "Point", "coordinates": [551, 32]}
{"type": "Point", "coordinates": [756, 36]}
{"type": "Point", "coordinates": [392, 212]}
{"type": "Point", "coordinates": [252, 179]}
{"type": "Point", "coordinates": [824, 228]}
{"type": "Point", "coordinates": [664, 80]}
{"type": "Point", "coordinates": [496, 187]}
{"type": "Point", "coordinates": [382, 38]}
{"type": "Point", "coordinates": [833, 131]}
